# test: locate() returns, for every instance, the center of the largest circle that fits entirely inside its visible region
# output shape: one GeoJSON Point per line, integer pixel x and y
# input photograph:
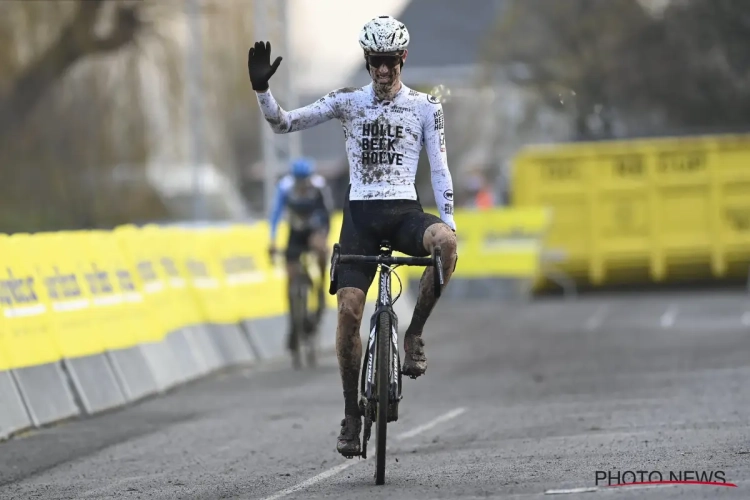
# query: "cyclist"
{"type": "Point", "coordinates": [385, 126]}
{"type": "Point", "coordinates": [308, 199]}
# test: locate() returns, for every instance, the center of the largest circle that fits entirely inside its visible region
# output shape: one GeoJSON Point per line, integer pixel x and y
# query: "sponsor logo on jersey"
{"type": "Point", "coordinates": [439, 119]}
{"type": "Point", "coordinates": [379, 144]}
{"type": "Point", "coordinates": [433, 99]}
{"type": "Point", "coordinates": [448, 194]}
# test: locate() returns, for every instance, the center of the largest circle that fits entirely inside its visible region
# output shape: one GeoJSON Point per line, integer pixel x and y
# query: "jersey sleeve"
{"type": "Point", "coordinates": [277, 210]}
{"type": "Point", "coordinates": [433, 132]}
{"type": "Point", "coordinates": [283, 122]}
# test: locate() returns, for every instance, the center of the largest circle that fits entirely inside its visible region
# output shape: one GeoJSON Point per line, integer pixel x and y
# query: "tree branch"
{"type": "Point", "coordinates": [76, 41]}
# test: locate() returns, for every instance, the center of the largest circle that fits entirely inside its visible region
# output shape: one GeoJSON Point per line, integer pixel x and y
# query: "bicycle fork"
{"type": "Point", "coordinates": [368, 405]}
{"type": "Point", "coordinates": [368, 385]}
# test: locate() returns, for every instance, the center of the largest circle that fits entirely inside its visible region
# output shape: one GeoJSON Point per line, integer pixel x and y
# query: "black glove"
{"type": "Point", "coordinates": [259, 65]}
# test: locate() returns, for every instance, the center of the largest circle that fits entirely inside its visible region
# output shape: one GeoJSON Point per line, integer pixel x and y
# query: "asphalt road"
{"type": "Point", "coordinates": [525, 402]}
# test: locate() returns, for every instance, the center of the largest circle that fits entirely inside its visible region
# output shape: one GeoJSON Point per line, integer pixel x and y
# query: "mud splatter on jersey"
{"type": "Point", "coordinates": [383, 140]}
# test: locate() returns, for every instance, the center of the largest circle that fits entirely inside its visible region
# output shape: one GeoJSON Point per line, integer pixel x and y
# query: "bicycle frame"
{"type": "Point", "coordinates": [384, 303]}
{"type": "Point", "coordinates": [376, 397]}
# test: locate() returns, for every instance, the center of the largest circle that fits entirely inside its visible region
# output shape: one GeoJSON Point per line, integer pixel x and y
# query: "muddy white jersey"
{"type": "Point", "coordinates": [383, 140]}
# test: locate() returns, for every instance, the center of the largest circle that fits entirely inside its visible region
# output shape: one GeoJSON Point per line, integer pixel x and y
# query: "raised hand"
{"type": "Point", "coordinates": [259, 65]}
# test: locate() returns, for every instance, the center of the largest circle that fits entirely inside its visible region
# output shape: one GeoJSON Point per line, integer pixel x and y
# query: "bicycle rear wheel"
{"type": "Point", "coordinates": [382, 370]}
{"type": "Point", "coordinates": [298, 313]}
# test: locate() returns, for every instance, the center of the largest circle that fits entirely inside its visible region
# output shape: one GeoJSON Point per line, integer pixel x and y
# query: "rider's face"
{"type": "Point", "coordinates": [385, 69]}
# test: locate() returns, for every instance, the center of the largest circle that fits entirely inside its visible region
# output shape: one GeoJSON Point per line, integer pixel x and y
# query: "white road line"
{"type": "Point", "coordinates": [596, 319]}
{"type": "Point", "coordinates": [429, 425]}
{"type": "Point", "coordinates": [746, 319]}
{"type": "Point", "coordinates": [668, 318]}
{"type": "Point", "coordinates": [571, 490]}
{"type": "Point", "coordinates": [339, 468]}
{"type": "Point", "coordinates": [642, 487]}
{"type": "Point", "coordinates": [312, 480]}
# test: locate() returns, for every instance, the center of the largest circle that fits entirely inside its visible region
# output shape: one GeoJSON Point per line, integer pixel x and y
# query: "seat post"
{"type": "Point", "coordinates": [385, 248]}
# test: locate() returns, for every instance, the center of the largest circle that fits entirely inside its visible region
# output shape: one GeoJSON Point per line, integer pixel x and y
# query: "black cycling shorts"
{"type": "Point", "coordinates": [299, 241]}
{"type": "Point", "coordinates": [367, 223]}
{"type": "Point", "coordinates": [297, 244]}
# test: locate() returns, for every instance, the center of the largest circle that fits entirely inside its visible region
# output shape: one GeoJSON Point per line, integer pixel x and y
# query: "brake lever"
{"type": "Point", "coordinates": [438, 279]}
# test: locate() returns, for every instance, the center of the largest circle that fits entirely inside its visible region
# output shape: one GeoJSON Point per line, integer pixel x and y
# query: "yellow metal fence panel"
{"type": "Point", "coordinates": [658, 209]}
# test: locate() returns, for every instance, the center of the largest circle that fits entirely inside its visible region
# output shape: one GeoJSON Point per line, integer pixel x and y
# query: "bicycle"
{"type": "Point", "coordinates": [380, 382]}
{"type": "Point", "coordinates": [304, 324]}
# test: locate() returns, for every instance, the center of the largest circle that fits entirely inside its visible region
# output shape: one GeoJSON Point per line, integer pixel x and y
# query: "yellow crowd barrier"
{"type": "Point", "coordinates": [27, 332]}
{"type": "Point", "coordinates": [650, 210]}
{"type": "Point", "coordinates": [74, 294]}
{"type": "Point", "coordinates": [499, 243]}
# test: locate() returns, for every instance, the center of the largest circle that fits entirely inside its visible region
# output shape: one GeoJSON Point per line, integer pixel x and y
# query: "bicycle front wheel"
{"type": "Point", "coordinates": [382, 369]}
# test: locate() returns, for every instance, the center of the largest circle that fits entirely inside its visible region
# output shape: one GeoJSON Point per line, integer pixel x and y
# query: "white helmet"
{"type": "Point", "coordinates": [384, 34]}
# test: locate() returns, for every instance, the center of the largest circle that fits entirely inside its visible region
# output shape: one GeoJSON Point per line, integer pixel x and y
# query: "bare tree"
{"type": "Point", "coordinates": [686, 62]}
{"type": "Point", "coordinates": [76, 150]}
{"type": "Point", "coordinates": [77, 40]}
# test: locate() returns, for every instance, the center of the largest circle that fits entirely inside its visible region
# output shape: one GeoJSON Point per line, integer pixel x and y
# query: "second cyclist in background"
{"type": "Point", "coordinates": [307, 197]}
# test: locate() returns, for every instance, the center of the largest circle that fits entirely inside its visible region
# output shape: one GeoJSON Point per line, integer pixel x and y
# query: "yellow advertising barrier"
{"type": "Point", "coordinates": [4, 363]}
{"type": "Point", "coordinates": [242, 273]}
{"type": "Point", "coordinates": [79, 293]}
{"type": "Point", "coordinates": [654, 209]}
{"type": "Point", "coordinates": [501, 242]}
{"type": "Point", "coordinates": [217, 296]}
{"type": "Point", "coordinates": [160, 311]}
{"type": "Point", "coordinates": [109, 290]}
{"type": "Point", "coordinates": [70, 302]}
{"type": "Point", "coordinates": [26, 337]}
{"type": "Point", "coordinates": [138, 321]}
{"type": "Point", "coordinates": [498, 243]}
{"type": "Point", "coordinates": [259, 283]}
{"type": "Point", "coordinates": [168, 249]}
{"type": "Point", "coordinates": [200, 282]}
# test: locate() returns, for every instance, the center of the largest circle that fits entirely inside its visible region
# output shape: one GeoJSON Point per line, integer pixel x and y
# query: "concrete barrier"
{"type": "Point", "coordinates": [95, 383]}
{"type": "Point", "coordinates": [269, 335]}
{"type": "Point", "coordinates": [13, 416]}
{"type": "Point", "coordinates": [134, 373]}
{"type": "Point", "coordinates": [204, 346]}
{"type": "Point", "coordinates": [162, 364]}
{"type": "Point", "coordinates": [189, 361]}
{"type": "Point", "coordinates": [46, 392]}
{"type": "Point", "coordinates": [231, 344]}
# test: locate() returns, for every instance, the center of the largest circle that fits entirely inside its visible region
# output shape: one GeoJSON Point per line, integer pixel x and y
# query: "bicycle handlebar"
{"type": "Point", "coordinates": [388, 261]}
{"type": "Point", "coordinates": [435, 261]}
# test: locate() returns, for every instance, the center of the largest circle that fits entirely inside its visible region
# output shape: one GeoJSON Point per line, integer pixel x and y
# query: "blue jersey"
{"type": "Point", "coordinates": [309, 203]}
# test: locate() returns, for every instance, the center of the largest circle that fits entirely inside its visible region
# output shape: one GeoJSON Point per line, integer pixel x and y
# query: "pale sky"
{"type": "Point", "coordinates": [324, 36]}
